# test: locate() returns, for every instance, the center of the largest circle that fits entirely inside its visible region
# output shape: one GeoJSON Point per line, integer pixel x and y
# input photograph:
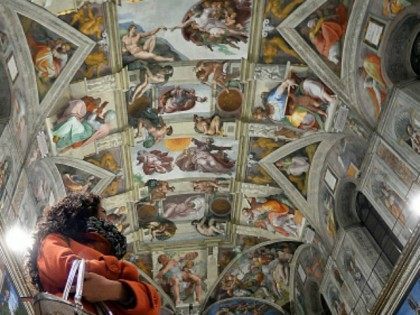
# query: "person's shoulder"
{"type": "Point", "coordinates": [54, 237]}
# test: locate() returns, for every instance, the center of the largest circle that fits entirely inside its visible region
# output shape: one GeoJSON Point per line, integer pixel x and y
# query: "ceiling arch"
{"type": "Point", "coordinates": [255, 119]}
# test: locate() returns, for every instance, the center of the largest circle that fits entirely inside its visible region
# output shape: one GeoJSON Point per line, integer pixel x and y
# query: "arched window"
{"type": "Point", "coordinates": [402, 36]}
{"type": "Point", "coordinates": [313, 303]}
{"type": "Point", "coordinates": [325, 306]}
{"type": "Point", "coordinates": [380, 231]}
{"type": "Point", "coordinates": [4, 96]}
{"type": "Point", "coordinates": [415, 55]}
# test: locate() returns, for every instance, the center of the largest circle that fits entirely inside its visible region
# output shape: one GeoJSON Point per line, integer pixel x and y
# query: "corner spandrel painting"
{"type": "Point", "coordinates": [158, 31]}
{"type": "Point", "coordinates": [259, 148]}
{"type": "Point", "coordinates": [325, 29]}
{"type": "Point", "coordinates": [274, 48]}
{"type": "Point", "coordinates": [89, 18]}
{"type": "Point", "coordinates": [296, 167]}
{"type": "Point", "coordinates": [49, 51]}
{"type": "Point", "coordinates": [245, 306]}
{"type": "Point", "coordinates": [273, 213]}
{"type": "Point", "coordinates": [244, 278]}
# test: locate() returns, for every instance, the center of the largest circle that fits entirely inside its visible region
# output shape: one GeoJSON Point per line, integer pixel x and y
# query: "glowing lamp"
{"type": "Point", "coordinates": [18, 240]}
{"type": "Point", "coordinates": [415, 204]}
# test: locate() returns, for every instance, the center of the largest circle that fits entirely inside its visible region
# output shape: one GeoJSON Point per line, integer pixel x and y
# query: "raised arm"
{"type": "Point", "coordinates": [165, 269]}
{"type": "Point", "coordinates": [151, 33]}
{"type": "Point", "coordinates": [184, 24]}
{"type": "Point", "coordinates": [316, 29]}
{"type": "Point", "coordinates": [286, 84]}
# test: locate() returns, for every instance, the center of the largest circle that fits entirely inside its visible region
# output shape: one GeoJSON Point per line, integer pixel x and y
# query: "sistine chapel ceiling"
{"type": "Point", "coordinates": [221, 135]}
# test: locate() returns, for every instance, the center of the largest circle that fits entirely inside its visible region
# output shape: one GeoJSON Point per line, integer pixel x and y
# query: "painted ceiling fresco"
{"type": "Point", "coordinates": [214, 131]}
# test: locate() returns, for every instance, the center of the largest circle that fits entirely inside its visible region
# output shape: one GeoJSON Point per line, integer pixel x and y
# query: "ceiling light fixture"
{"type": "Point", "coordinates": [18, 240]}
{"type": "Point", "coordinates": [414, 204]}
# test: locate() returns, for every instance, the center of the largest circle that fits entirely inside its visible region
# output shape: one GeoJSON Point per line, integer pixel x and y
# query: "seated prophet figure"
{"type": "Point", "coordinates": [373, 81]}
{"type": "Point", "coordinates": [282, 103]}
{"type": "Point", "coordinates": [81, 128]}
{"type": "Point", "coordinates": [325, 33]}
{"type": "Point", "coordinates": [273, 215]}
{"type": "Point", "coordinates": [174, 274]}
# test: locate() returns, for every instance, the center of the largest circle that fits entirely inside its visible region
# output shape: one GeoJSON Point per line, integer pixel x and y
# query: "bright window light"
{"type": "Point", "coordinates": [18, 240]}
{"type": "Point", "coordinates": [415, 204]}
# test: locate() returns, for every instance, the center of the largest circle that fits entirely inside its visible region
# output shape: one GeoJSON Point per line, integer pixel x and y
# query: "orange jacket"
{"type": "Point", "coordinates": [55, 258]}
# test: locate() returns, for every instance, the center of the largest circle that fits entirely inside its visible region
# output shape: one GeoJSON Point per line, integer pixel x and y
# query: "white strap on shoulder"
{"type": "Point", "coordinates": [79, 267]}
{"type": "Point", "coordinates": [70, 278]}
{"type": "Point", "coordinates": [80, 281]}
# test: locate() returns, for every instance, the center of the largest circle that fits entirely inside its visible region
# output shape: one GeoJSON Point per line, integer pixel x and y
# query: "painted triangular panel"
{"type": "Point", "coordinates": [80, 176]}
{"type": "Point", "coordinates": [244, 277]}
{"type": "Point", "coordinates": [117, 186]}
{"type": "Point", "coordinates": [324, 31]}
{"type": "Point", "coordinates": [52, 50]}
{"type": "Point", "coordinates": [50, 53]}
{"type": "Point", "coordinates": [274, 213]}
{"type": "Point", "coordinates": [89, 19]}
{"type": "Point", "coordinates": [76, 180]}
{"type": "Point", "coordinates": [309, 18]}
{"type": "Point", "coordinates": [296, 166]}
{"type": "Point", "coordinates": [274, 48]}
{"type": "Point", "coordinates": [258, 149]}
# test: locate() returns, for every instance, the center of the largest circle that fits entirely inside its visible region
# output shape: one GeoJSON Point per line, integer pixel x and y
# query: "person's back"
{"type": "Point", "coordinates": [74, 229]}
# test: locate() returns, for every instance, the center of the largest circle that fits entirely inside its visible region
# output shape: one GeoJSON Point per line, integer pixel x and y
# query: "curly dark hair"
{"type": "Point", "coordinates": [69, 218]}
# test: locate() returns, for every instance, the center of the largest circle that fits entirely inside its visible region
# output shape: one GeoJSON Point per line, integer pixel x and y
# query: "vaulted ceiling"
{"type": "Point", "coordinates": [219, 133]}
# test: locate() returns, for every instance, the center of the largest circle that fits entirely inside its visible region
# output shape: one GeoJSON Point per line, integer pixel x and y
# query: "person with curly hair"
{"type": "Point", "coordinates": [76, 228]}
